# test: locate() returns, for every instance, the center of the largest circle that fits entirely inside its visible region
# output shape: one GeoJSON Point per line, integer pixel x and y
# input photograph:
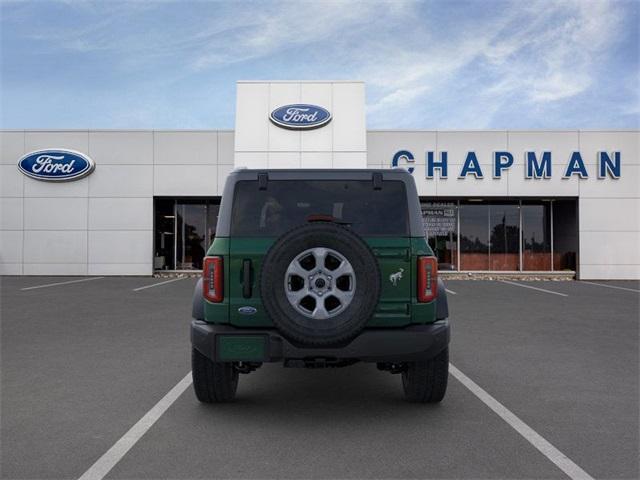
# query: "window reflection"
{"type": "Point", "coordinates": [504, 222]}
{"type": "Point", "coordinates": [536, 236]}
{"type": "Point", "coordinates": [474, 236]}
{"type": "Point", "coordinates": [565, 234]}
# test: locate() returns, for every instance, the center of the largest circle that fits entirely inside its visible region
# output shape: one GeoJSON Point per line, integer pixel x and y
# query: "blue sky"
{"type": "Point", "coordinates": [444, 65]}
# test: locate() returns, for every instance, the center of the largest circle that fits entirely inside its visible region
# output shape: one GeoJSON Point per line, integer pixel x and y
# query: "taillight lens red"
{"type": "Point", "coordinates": [427, 279]}
{"type": "Point", "coordinates": [212, 275]}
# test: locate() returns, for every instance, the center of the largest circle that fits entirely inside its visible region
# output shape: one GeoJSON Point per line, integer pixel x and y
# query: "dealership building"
{"type": "Point", "coordinates": [134, 202]}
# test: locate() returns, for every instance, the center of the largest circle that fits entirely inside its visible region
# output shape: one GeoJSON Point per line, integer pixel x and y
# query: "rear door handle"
{"type": "Point", "coordinates": [404, 254]}
{"type": "Point", "coordinates": [246, 279]}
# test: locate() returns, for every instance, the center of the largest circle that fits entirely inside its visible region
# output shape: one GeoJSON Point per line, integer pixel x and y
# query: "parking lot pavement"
{"type": "Point", "coordinates": [343, 423]}
{"type": "Point", "coordinates": [568, 366]}
{"type": "Point", "coordinates": [83, 362]}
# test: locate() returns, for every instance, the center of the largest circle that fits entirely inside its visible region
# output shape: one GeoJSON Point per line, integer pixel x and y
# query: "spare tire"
{"type": "Point", "coordinates": [320, 284]}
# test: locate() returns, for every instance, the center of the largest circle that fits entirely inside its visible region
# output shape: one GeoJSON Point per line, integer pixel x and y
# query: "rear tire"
{"type": "Point", "coordinates": [426, 382]}
{"type": "Point", "coordinates": [213, 382]}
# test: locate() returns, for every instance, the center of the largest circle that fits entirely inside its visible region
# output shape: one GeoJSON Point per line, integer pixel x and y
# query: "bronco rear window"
{"type": "Point", "coordinates": [288, 203]}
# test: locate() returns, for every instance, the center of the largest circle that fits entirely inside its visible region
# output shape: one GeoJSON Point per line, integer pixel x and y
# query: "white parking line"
{"type": "Point", "coordinates": [534, 288]}
{"type": "Point", "coordinates": [563, 462]}
{"type": "Point", "coordinates": [61, 283]}
{"type": "Point", "coordinates": [111, 457]}
{"type": "Point", "coordinates": [158, 284]}
{"type": "Point", "coordinates": [450, 291]}
{"type": "Point", "coordinates": [611, 286]}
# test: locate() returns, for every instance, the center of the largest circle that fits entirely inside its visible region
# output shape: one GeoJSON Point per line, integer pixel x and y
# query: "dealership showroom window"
{"type": "Point", "coordinates": [501, 235]}
{"type": "Point", "coordinates": [520, 235]}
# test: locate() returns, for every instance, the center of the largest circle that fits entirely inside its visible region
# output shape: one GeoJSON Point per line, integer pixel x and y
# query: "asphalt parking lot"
{"type": "Point", "coordinates": [82, 362]}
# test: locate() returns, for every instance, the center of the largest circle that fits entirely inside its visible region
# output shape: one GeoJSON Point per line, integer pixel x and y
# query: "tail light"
{"type": "Point", "coordinates": [427, 279]}
{"type": "Point", "coordinates": [212, 276]}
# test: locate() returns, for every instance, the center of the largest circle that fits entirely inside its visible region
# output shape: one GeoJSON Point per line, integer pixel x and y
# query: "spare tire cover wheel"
{"type": "Point", "coordinates": [320, 284]}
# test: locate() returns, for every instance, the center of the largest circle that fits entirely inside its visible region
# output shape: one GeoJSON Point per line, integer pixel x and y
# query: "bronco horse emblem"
{"type": "Point", "coordinates": [395, 277]}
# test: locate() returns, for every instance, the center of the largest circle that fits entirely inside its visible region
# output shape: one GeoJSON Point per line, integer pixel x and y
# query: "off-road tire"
{"type": "Point", "coordinates": [213, 382]}
{"type": "Point", "coordinates": [346, 325]}
{"type": "Point", "coordinates": [426, 382]}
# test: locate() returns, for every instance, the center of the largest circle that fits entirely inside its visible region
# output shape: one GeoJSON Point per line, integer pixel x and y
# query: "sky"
{"type": "Point", "coordinates": [427, 65]}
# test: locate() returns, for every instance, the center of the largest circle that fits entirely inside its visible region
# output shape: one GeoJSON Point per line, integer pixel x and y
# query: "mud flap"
{"type": "Point", "coordinates": [442, 306]}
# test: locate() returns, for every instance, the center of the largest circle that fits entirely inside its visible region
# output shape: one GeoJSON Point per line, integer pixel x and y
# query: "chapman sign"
{"type": "Point", "coordinates": [537, 165]}
{"type": "Point", "coordinates": [300, 116]}
{"type": "Point", "coordinates": [56, 165]}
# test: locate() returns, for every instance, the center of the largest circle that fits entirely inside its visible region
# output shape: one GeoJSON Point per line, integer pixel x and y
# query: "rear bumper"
{"type": "Point", "coordinates": [229, 344]}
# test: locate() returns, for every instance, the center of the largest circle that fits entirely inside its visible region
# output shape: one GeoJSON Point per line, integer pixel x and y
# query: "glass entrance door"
{"type": "Point", "coordinates": [185, 228]}
{"type": "Point", "coordinates": [490, 235]}
{"type": "Point", "coordinates": [165, 235]}
{"type": "Point", "coordinates": [191, 221]}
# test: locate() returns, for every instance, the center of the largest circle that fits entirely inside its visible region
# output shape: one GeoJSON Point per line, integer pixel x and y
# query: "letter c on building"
{"type": "Point", "coordinates": [405, 155]}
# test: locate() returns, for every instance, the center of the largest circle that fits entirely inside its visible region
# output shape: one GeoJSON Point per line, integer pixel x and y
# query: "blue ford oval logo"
{"type": "Point", "coordinates": [247, 310]}
{"type": "Point", "coordinates": [56, 165]}
{"type": "Point", "coordinates": [300, 116]}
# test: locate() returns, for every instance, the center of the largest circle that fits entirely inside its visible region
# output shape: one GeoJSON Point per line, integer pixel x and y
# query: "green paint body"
{"type": "Point", "coordinates": [397, 307]}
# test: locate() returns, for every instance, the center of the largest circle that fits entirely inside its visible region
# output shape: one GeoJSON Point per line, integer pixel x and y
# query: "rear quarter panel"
{"type": "Point", "coordinates": [394, 260]}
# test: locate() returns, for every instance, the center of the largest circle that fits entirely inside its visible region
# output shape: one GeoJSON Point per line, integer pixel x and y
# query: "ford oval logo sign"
{"type": "Point", "coordinates": [300, 116]}
{"type": "Point", "coordinates": [247, 310]}
{"type": "Point", "coordinates": [57, 165]}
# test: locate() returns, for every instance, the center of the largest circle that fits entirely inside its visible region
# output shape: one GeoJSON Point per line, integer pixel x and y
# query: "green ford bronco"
{"type": "Point", "coordinates": [320, 268]}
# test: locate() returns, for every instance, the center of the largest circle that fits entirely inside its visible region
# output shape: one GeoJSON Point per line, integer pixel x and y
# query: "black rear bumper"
{"type": "Point", "coordinates": [414, 343]}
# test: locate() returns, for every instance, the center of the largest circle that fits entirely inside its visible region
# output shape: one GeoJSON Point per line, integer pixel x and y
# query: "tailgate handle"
{"type": "Point", "coordinates": [246, 279]}
{"type": "Point", "coordinates": [382, 254]}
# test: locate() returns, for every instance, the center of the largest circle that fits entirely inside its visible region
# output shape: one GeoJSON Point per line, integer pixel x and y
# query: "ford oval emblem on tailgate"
{"type": "Point", "coordinates": [247, 310]}
{"type": "Point", "coordinates": [300, 116]}
{"type": "Point", "coordinates": [56, 165]}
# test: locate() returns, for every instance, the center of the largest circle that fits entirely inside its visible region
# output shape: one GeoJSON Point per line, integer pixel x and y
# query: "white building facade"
{"type": "Point", "coordinates": [499, 201]}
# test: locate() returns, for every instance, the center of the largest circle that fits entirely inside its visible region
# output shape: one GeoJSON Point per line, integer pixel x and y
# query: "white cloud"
{"type": "Point", "coordinates": [293, 26]}
{"type": "Point", "coordinates": [458, 65]}
{"type": "Point", "coordinates": [545, 52]}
